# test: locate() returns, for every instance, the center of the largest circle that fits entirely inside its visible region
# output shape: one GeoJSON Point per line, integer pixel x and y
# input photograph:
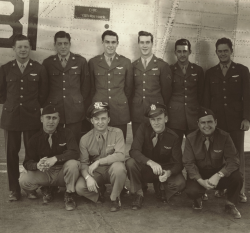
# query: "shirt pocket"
{"type": "Point", "coordinates": [33, 82]}
{"type": "Point", "coordinates": [217, 158]}
{"type": "Point", "coordinates": [78, 103]}
{"type": "Point", "coordinates": [235, 85]}
{"type": "Point", "coordinates": [119, 77]}
{"type": "Point", "coordinates": [100, 80]}
{"type": "Point", "coordinates": [12, 84]}
{"type": "Point", "coordinates": [74, 77]}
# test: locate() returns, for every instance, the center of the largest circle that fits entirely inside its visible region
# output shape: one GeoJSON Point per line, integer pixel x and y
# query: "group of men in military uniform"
{"type": "Point", "coordinates": [163, 103]}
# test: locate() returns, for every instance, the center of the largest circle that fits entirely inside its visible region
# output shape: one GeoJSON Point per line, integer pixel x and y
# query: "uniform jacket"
{"type": "Point", "coordinates": [222, 154]}
{"type": "Point", "coordinates": [64, 147]}
{"type": "Point", "coordinates": [23, 94]}
{"type": "Point", "coordinates": [112, 85]}
{"type": "Point", "coordinates": [69, 86]}
{"type": "Point", "coordinates": [170, 148]}
{"type": "Point", "coordinates": [229, 96]}
{"type": "Point", "coordinates": [152, 85]}
{"type": "Point", "coordinates": [187, 92]}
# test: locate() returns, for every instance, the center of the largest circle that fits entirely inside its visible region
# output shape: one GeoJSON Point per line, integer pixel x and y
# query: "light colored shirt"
{"type": "Point", "coordinates": [182, 67]}
{"type": "Point", "coordinates": [60, 57]}
{"type": "Point", "coordinates": [113, 149]}
{"type": "Point", "coordinates": [147, 59]}
{"type": "Point", "coordinates": [108, 58]}
{"type": "Point", "coordinates": [228, 65]}
{"type": "Point", "coordinates": [24, 64]}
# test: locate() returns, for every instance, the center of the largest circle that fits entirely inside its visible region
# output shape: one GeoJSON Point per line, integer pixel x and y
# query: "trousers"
{"type": "Point", "coordinates": [114, 174]}
{"type": "Point", "coordinates": [12, 147]}
{"type": "Point", "coordinates": [232, 183]}
{"type": "Point", "coordinates": [58, 175]}
{"type": "Point", "coordinates": [139, 174]}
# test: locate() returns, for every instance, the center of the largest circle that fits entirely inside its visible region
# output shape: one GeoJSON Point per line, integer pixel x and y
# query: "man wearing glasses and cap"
{"type": "Point", "coordinates": [155, 157]}
{"type": "Point", "coordinates": [51, 160]}
{"type": "Point", "coordinates": [212, 162]}
{"type": "Point", "coordinates": [102, 158]}
{"type": "Point", "coordinates": [187, 91]}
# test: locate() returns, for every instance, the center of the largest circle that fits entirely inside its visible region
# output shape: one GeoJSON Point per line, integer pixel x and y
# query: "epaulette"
{"type": "Point", "coordinates": [171, 132]}
{"type": "Point", "coordinates": [137, 60]}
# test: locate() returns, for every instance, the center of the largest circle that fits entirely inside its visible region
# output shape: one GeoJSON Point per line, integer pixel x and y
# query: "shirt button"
{"type": "Point", "coordinates": [224, 81]}
{"type": "Point", "coordinates": [64, 96]}
{"type": "Point", "coordinates": [21, 88]}
{"type": "Point", "coordinates": [108, 74]}
{"type": "Point", "coordinates": [64, 81]}
{"type": "Point", "coordinates": [108, 81]}
{"type": "Point", "coordinates": [21, 80]}
{"type": "Point", "coordinates": [225, 104]}
{"type": "Point", "coordinates": [144, 74]}
{"type": "Point", "coordinates": [63, 74]}
{"type": "Point", "coordinates": [21, 104]}
{"type": "Point", "coordinates": [224, 89]}
{"type": "Point", "coordinates": [185, 88]}
{"type": "Point", "coordinates": [185, 81]}
{"type": "Point", "coordinates": [185, 103]}
{"type": "Point", "coordinates": [143, 97]}
{"type": "Point", "coordinates": [109, 97]}
{"type": "Point", "coordinates": [21, 96]}
{"type": "Point", "coordinates": [64, 89]}
{"type": "Point", "coordinates": [144, 82]}
{"type": "Point", "coordinates": [109, 89]}
{"type": "Point", "coordinates": [185, 96]}
{"type": "Point", "coordinates": [225, 97]}
{"type": "Point", "coordinates": [143, 89]}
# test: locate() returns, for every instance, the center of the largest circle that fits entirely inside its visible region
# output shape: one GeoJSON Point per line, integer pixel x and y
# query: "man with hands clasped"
{"type": "Point", "coordinates": [155, 156]}
{"type": "Point", "coordinates": [102, 158]}
{"type": "Point", "coordinates": [212, 162]}
{"type": "Point", "coordinates": [51, 160]}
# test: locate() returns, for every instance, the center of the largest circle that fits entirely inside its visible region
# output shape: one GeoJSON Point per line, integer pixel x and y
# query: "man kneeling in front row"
{"type": "Point", "coordinates": [102, 158]}
{"type": "Point", "coordinates": [212, 161]}
{"type": "Point", "coordinates": [51, 160]}
{"type": "Point", "coordinates": [155, 157]}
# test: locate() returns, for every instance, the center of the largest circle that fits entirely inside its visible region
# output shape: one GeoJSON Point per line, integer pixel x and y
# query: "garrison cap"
{"type": "Point", "coordinates": [205, 112]}
{"type": "Point", "coordinates": [155, 110]}
{"type": "Point", "coordinates": [97, 107]}
{"type": "Point", "coordinates": [49, 109]}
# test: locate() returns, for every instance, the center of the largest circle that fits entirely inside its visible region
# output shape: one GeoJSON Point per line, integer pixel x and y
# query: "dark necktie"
{"type": "Point", "coordinates": [207, 143]}
{"type": "Point", "coordinates": [100, 143]}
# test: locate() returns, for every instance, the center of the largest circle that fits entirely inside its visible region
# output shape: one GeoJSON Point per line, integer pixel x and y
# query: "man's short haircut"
{"type": "Point", "coordinates": [224, 40]}
{"type": "Point", "coordinates": [62, 34]}
{"type": "Point", "coordinates": [110, 33]}
{"type": "Point", "coordinates": [143, 33]}
{"type": "Point", "coordinates": [20, 37]}
{"type": "Point", "coordinates": [183, 42]}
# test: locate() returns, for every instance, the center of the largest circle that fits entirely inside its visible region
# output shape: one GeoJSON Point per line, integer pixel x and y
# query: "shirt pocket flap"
{"type": "Point", "coordinates": [153, 72]}
{"type": "Point", "coordinates": [99, 72]}
{"type": "Point", "coordinates": [55, 72]}
{"type": "Point", "coordinates": [8, 108]}
{"type": "Point", "coordinates": [121, 71]}
{"type": "Point", "coordinates": [214, 81]}
{"type": "Point", "coordinates": [74, 71]}
{"type": "Point", "coordinates": [11, 78]}
{"type": "Point", "coordinates": [234, 79]}
{"type": "Point", "coordinates": [33, 78]}
{"type": "Point", "coordinates": [78, 100]}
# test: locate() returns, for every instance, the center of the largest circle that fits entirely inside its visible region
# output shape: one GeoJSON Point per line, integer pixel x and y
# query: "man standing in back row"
{"type": "Point", "coordinates": [69, 83]}
{"type": "Point", "coordinates": [112, 81]}
{"type": "Point", "coordinates": [23, 91]}
{"type": "Point", "coordinates": [152, 81]}
{"type": "Point", "coordinates": [187, 91]}
{"type": "Point", "coordinates": [227, 94]}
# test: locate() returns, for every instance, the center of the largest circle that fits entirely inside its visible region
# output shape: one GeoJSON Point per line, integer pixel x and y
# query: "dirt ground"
{"type": "Point", "coordinates": [32, 216]}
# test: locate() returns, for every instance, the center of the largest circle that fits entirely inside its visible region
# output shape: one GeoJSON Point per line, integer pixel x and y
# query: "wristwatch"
{"type": "Point", "coordinates": [220, 174]}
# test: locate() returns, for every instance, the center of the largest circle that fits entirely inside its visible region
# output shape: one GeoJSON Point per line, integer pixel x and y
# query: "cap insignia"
{"type": "Point", "coordinates": [98, 105]}
{"type": "Point", "coordinates": [153, 107]}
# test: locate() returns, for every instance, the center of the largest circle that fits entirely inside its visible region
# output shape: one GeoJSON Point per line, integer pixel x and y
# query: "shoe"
{"type": "Point", "coordinates": [47, 193]}
{"type": "Point", "coordinates": [14, 196]}
{"type": "Point", "coordinates": [70, 203]}
{"type": "Point", "coordinates": [144, 187]}
{"type": "Point", "coordinates": [116, 205]}
{"type": "Point", "coordinates": [101, 198]}
{"type": "Point", "coordinates": [243, 198]}
{"type": "Point", "coordinates": [32, 195]}
{"type": "Point", "coordinates": [204, 197]}
{"type": "Point", "coordinates": [197, 204]}
{"type": "Point", "coordinates": [219, 193]}
{"type": "Point", "coordinates": [124, 191]}
{"type": "Point", "coordinates": [231, 209]}
{"type": "Point", "coordinates": [163, 197]}
{"type": "Point", "coordinates": [138, 202]}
